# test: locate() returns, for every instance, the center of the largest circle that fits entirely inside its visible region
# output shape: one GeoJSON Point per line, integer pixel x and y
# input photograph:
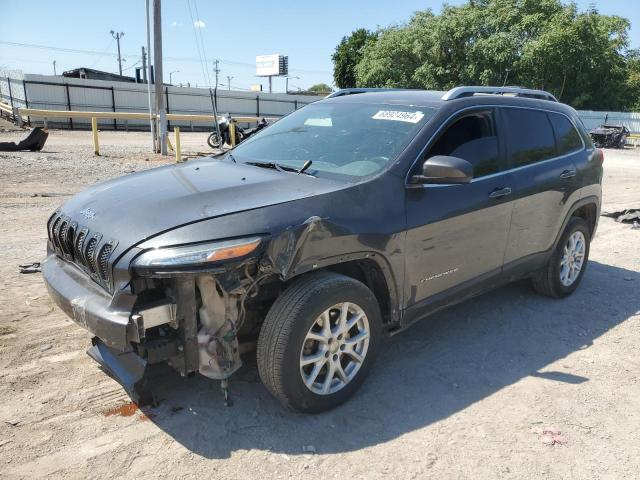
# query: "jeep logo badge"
{"type": "Point", "coordinates": [88, 213]}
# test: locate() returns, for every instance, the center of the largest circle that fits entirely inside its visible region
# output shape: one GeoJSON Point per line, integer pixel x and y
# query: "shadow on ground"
{"type": "Point", "coordinates": [437, 368]}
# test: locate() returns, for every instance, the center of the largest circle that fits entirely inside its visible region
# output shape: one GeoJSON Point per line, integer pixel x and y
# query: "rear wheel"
{"type": "Point", "coordinates": [318, 341]}
{"type": "Point", "coordinates": [564, 271]}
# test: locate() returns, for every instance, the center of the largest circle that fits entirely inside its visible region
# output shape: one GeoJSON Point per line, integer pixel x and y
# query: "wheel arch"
{"type": "Point", "coordinates": [370, 268]}
{"type": "Point", "coordinates": [587, 208]}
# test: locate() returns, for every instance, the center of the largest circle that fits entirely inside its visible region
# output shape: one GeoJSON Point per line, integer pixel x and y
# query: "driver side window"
{"type": "Point", "coordinates": [473, 138]}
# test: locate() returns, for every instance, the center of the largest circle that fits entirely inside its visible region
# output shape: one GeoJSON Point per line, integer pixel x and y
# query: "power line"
{"type": "Point", "coordinates": [174, 59]}
{"type": "Point", "coordinates": [203, 65]}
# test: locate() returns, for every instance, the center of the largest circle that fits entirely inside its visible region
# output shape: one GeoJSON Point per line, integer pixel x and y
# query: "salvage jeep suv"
{"type": "Point", "coordinates": [343, 222]}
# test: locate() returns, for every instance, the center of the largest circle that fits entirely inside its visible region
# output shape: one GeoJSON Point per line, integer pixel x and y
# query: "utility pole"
{"type": "Point", "coordinates": [118, 36]}
{"type": "Point", "coordinates": [217, 71]}
{"type": "Point", "coordinates": [157, 53]}
{"type": "Point", "coordinates": [54, 68]}
{"type": "Point", "coordinates": [229, 82]}
{"type": "Point", "coordinates": [144, 66]}
{"type": "Point", "coordinates": [147, 75]}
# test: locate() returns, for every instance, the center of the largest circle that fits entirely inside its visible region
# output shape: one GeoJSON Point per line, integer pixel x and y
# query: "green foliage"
{"type": "Point", "coordinates": [580, 57]}
{"type": "Point", "coordinates": [320, 88]}
{"type": "Point", "coordinates": [347, 55]}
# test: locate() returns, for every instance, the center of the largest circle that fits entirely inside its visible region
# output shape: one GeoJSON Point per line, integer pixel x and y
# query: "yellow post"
{"type": "Point", "coordinates": [176, 130]}
{"type": "Point", "coordinates": [232, 133]}
{"type": "Point", "coordinates": [94, 128]}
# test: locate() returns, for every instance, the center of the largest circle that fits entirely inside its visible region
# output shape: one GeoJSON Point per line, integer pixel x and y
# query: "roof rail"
{"type": "Point", "coordinates": [460, 92]}
{"type": "Point", "coordinates": [353, 91]}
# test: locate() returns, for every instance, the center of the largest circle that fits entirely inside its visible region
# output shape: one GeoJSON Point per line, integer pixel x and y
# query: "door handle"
{"type": "Point", "coordinates": [500, 192]}
{"type": "Point", "coordinates": [568, 174]}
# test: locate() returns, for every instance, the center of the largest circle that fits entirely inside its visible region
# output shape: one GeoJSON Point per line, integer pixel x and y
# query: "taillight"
{"type": "Point", "coordinates": [598, 155]}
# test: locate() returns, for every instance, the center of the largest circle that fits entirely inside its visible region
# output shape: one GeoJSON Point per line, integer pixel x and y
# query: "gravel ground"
{"type": "Point", "coordinates": [509, 385]}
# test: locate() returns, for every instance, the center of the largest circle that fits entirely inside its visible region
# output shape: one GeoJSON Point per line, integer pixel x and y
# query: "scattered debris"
{"type": "Point", "coordinates": [636, 226]}
{"type": "Point", "coordinates": [34, 142]}
{"type": "Point", "coordinates": [628, 215]}
{"type": "Point", "coordinates": [50, 194]}
{"type": "Point", "coordinates": [44, 348]}
{"type": "Point", "coordinates": [309, 449]}
{"type": "Point", "coordinates": [550, 435]}
{"type": "Point", "coordinates": [13, 422]}
{"type": "Point", "coordinates": [33, 267]}
{"type": "Point", "coordinates": [176, 409]}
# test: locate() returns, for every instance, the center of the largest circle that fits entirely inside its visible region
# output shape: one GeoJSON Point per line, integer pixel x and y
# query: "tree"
{"type": "Point", "coordinates": [580, 57]}
{"type": "Point", "coordinates": [320, 89]}
{"type": "Point", "coordinates": [347, 55]}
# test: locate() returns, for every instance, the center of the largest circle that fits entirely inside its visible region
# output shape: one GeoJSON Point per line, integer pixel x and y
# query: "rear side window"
{"type": "Point", "coordinates": [566, 134]}
{"type": "Point", "coordinates": [529, 136]}
{"type": "Point", "coordinates": [472, 138]}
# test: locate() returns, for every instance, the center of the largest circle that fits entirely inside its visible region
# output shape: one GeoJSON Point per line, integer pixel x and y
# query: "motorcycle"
{"type": "Point", "coordinates": [224, 124]}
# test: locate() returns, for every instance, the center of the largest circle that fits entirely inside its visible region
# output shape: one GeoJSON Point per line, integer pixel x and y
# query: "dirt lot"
{"type": "Point", "coordinates": [466, 394]}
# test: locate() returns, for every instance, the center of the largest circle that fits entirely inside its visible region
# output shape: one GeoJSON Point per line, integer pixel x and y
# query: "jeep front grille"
{"type": "Point", "coordinates": [103, 261]}
{"type": "Point", "coordinates": [83, 247]}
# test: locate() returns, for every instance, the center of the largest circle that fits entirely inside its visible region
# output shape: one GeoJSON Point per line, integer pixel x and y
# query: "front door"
{"type": "Point", "coordinates": [458, 233]}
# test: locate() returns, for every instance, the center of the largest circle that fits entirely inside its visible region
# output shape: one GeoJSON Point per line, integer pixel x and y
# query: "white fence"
{"type": "Point", "coordinates": [61, 93]}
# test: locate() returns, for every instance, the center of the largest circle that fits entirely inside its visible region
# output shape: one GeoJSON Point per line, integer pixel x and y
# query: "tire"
{"type": "Point", "coordinates": [549, 281]}
{"type": "Point", "coordinates": [213, 140]}
{"type": "Point", "coordinates": [283, 341]}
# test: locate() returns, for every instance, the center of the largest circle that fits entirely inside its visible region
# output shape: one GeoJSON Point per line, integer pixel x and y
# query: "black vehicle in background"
{"type": "Point", "coordinates": [345, 221]}
{"type": "Point", "coordinates": [609, 136]}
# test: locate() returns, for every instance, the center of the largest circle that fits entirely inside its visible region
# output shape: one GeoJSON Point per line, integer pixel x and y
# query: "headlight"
{"type": "Point", "coordinates": [195, 256]}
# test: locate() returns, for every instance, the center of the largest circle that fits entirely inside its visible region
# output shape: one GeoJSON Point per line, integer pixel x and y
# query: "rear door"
{"type": "Point", "coordinates": [541, 147]}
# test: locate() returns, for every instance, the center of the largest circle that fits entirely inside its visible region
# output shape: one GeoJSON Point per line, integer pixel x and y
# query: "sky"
{"type": "Point", "coordinates": [232, 32]}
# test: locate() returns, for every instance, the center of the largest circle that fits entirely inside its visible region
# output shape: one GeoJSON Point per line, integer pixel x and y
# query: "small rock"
{"type": "Point", "coordinates": [13, 422]}
{"type": "Point", "coordinates": [44, 348]}
{"type": "Point", "coordinates": [308, 449]}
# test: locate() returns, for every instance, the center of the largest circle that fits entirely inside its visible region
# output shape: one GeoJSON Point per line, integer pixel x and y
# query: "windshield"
{"type": "Point", "coordinates": [350, 140]}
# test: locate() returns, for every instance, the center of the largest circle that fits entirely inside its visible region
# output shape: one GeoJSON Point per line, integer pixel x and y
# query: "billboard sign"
{"type": "Point", "coordinates": [272, 65]}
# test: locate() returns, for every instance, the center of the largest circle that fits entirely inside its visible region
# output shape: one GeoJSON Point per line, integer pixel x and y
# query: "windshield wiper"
{"type": "Point", "coordinates": [273, 165]}
{"type": "Point", "coordinates": [304, 167]}
{"type": "Point", "coordinates": [280, 167]}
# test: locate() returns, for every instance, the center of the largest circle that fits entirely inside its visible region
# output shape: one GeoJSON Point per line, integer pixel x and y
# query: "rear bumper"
{"type": "Point", "coordinates": [87, 304]}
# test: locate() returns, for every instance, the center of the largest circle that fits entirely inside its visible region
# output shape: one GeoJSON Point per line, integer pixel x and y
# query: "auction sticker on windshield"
{"type": "Point", "coordinates": [410, 117]}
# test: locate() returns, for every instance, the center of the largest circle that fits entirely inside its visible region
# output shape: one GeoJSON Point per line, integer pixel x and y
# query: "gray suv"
{"type": "Point", "coordinates": [343, 222]}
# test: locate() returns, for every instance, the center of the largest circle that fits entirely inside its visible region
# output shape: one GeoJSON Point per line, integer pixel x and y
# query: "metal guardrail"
{"type": "Point", "coordinates": [40, 113]}
{"type": "Point", "coordinates": [21, 113]}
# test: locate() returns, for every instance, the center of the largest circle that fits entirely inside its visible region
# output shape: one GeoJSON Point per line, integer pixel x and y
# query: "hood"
{"type": "Point", "coordinates": [135, 207]}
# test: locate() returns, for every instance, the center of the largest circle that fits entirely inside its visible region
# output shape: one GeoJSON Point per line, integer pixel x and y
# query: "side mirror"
{"type": "Point", "coordinates": [444, 169]}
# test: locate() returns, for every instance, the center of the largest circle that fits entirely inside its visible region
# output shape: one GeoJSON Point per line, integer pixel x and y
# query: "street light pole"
{"type": "Point", "coordinates": [286, 88]}
{"type": "Point", "coordinates": [54, 68]}
{"type": "Point", "coordinates": [118, 36]}
{"type": "Point", "coordinates": [229, 78]}
{"type": "Point", "coordinates": [170, 76]}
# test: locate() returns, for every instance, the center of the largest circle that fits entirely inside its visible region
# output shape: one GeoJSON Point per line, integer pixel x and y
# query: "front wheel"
{"type": "Point", "coordinates": [214, 140]}
{"type": "Point", "coordinates": [564, 270]}
{"type": "Point", "coordinates": [319, 341]}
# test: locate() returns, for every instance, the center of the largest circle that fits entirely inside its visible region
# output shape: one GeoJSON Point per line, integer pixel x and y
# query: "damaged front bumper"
{"type": "Point", "coordinates": [89, 305]}
{"type": "Point", "coordinates": [191, 325]}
